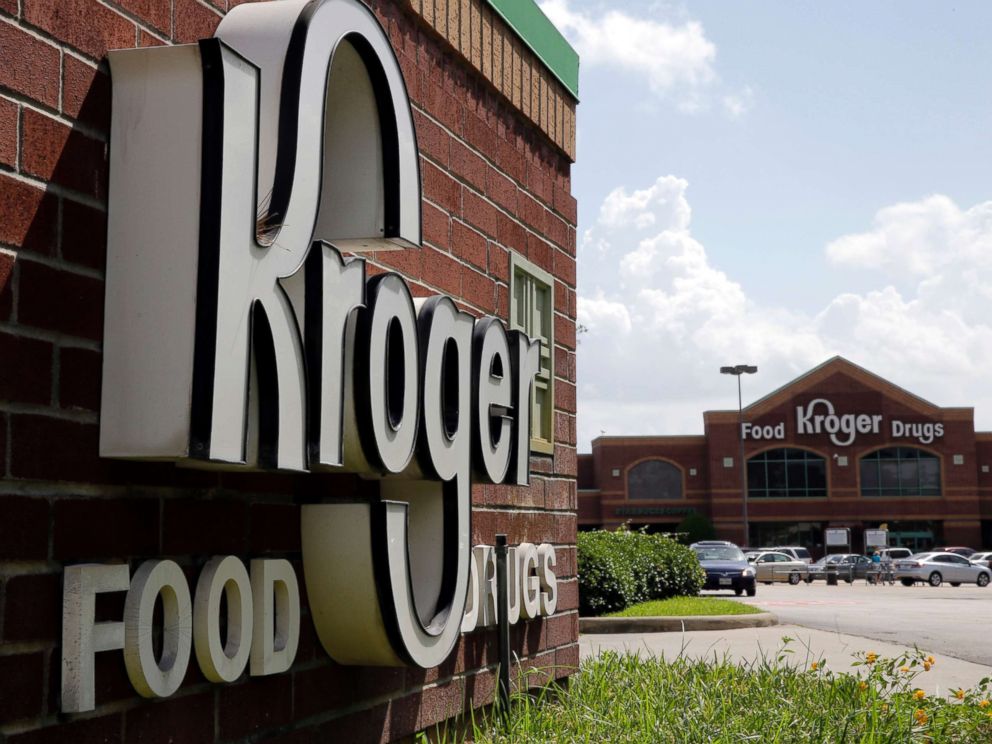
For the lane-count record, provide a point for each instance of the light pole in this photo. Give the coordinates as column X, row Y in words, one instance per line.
column 737, row 371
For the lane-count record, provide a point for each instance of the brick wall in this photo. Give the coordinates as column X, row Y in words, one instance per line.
column 496, row 180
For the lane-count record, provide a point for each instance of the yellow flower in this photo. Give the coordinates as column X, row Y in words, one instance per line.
column 919, row 694
column 871, row 657
column 921, row 716
column 959, row 694
column 885, row 707
column 989, row 714
column 862, row 685
column 814, row 666
column 930, row 660
column 904, row 669
column 926, row 666
column 983, row 703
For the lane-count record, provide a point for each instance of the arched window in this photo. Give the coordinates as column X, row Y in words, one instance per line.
column 900, row 471
column 654, row 479
column 786, row 474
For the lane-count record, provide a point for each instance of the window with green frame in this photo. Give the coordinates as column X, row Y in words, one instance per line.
column 532, row 311
column 786, row 473
column 900, row 471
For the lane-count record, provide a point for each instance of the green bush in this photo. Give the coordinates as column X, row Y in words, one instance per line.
column 623, row 568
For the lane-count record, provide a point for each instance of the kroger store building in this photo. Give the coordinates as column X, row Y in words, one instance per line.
column 836, row 447
column 287, row 338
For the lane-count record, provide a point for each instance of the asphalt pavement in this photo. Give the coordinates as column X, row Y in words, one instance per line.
column 834, row 622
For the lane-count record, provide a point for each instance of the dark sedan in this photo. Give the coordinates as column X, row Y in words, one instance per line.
column 725, row 566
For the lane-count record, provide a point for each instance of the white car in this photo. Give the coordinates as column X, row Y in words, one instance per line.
column 795, row 552
column 772, row 566
column 936, row 568
column 981, row 559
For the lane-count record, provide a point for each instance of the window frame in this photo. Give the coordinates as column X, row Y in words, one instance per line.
column 899, row 490
column 536, row 275
column 765, row 492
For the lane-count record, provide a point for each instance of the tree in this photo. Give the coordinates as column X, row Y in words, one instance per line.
column 695, row 527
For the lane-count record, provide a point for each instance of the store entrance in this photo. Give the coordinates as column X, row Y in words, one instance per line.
column 917, row 536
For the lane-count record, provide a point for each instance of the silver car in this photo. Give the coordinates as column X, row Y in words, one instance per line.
column 936, row 568
column 772, row 566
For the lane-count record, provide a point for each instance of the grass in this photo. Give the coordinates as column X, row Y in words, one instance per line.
column 789, row 698
column 682, row 606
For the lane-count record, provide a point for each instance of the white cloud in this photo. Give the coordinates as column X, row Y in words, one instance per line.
column 675, row 58
column 738, row 104
column 662, row 318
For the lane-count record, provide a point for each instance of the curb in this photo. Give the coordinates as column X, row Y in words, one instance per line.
column 675, row 624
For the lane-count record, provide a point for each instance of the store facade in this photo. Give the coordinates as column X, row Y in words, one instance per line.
column 287, row 338
column 837, row 447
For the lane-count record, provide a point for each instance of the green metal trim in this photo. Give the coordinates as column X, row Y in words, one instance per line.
column 540, row 35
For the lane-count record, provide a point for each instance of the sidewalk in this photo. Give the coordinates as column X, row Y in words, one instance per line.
column 749, row 644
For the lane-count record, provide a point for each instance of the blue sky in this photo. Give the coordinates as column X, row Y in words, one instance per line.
column 776, row 183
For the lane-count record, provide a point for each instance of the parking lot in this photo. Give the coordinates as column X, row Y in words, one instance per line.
column 947, row 620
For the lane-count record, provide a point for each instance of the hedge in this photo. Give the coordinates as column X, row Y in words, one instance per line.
column 623, row 568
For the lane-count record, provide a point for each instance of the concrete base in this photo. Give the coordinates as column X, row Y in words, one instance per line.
column 674, row 624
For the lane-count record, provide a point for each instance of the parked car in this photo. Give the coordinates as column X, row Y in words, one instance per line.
column 936, row 568
column 981, row 559
column 847, row 566
column 725, row 566
column 895, row 554
column 772, row 566
column 795, row 552
column 818, row 569
column 957, row 550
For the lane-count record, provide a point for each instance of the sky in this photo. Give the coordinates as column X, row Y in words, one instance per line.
column 774, row 184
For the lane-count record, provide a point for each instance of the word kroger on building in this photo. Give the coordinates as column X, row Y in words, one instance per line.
column 819, row 417
column 239, row 337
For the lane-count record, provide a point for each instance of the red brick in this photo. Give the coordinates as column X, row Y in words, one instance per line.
column 468, row 166
column 480, row 135
column 103, row 730
column 479, row 213
column 565, row 464
column 539, row 182
column 193, row 22
column 467, row 244
column 22, row 686
column 258, row 704
column 9, row 6
column 440, row 187
column 511, row 233
column 30, row 217
column 561, row 298
column 568, row 598
column 532, row 212
column 557, row 230
column 158, row 15
column 189, row 718
column 33, row 608
column 86, row 93
column 60, row 301
column 9, row 112
column 539, row 251
column 436, row 227
column 478, row 289
column 442, row 272
column 408, row 261
column 511, row 160
column 564, row 331
column 204, row 526
column 564, row 396
column 83, row 24
column 54, row 152
column 566, row 205
column 275, row 528
column 501, row 190
column 560, row 495
column 24, row 529
column 439, row 703
column 145, row 39
column 432, row 139
column 564, row 268
column 36, row 451
column 98, row 529
column 30, row 66
column 84, row 234
column 503, row 302
column 26, row 374
column 499, row 263
column 442, row 106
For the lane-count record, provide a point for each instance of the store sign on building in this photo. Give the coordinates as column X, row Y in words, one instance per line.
column 237, row 336
column 819, row 417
